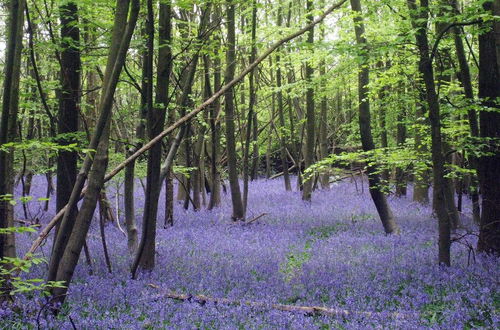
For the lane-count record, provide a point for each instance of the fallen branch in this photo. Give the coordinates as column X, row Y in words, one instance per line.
column 52, row 223
column 307, row 310
column 255, row 219
column 281, row 173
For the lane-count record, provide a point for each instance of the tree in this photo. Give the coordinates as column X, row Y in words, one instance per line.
column 489, row 128
column 419, row 17
column 379, row 198
column 8, row 126
column 237, row 202
column 69, row 103
column 310, row 110
column 65, row 256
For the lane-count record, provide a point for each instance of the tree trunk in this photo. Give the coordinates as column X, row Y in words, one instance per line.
column 69, row 103
column 310, row 112
column 400, row 140
column 379, row 198
column 8, row 128
column 283, row 136
column 215, row 197
column 425, row 67
column 65, row 257
column 237, row 202
column 421, row 179
column 489, row 169
column 145, row 258
column 465, row 79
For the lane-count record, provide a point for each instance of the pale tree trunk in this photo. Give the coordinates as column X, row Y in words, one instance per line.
column 215, row 197
column 323, row 134
column 421, row 181
column 310, row 113
column 283, row 136
column 379, row 198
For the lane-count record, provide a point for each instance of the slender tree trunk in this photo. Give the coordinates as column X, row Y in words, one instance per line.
column 251, row 104
column 400, row 140
column 419, row 21
column 237, row 202
column 465, row 79
column 379, row 198
column 323, row 134
column 145, row 258
column 421, row 184
column 215, row 197
column 310, row 112
column 489, row 169
column 279, row 98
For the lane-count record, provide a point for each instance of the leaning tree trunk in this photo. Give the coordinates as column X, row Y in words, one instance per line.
column 379, row 198
column 62, row 268
column 489, row 169
column 419, row 22
column 8, row 128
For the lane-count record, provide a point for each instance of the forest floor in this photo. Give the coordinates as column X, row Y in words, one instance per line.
column 331, row 253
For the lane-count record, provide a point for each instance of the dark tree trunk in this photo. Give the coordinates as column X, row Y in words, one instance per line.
column 238, row 207
column 215, row 197
column 251, row 105
column 69, row 103
column 145, row 258
column 465, row 79
column 425, row 67
column 489, row 128
column 379, row 198
column 8, row 127
column 65, row 256
column 400, row 140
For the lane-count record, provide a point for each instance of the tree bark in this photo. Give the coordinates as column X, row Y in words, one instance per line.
column 489, row 128
column 465, row 79
column 8, row 128
column 69, row 103
column 283, row 136
column 237, row 202
column 310, row 112
column 63, row 263
column 419, row 21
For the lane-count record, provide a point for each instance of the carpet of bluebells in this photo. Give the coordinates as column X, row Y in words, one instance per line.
column 332, row 253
